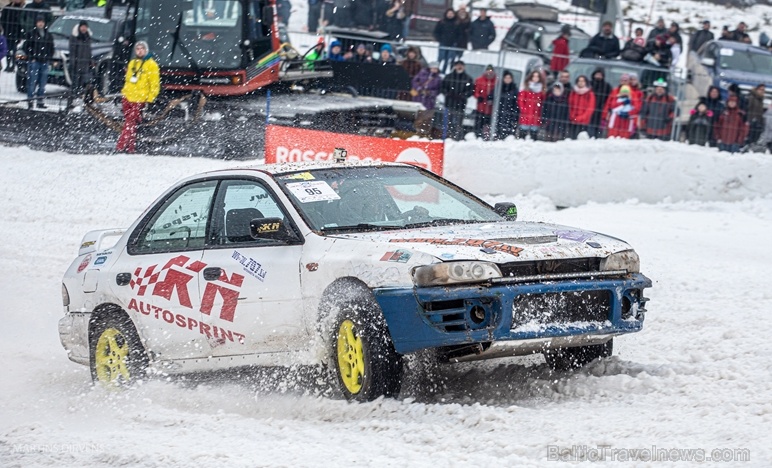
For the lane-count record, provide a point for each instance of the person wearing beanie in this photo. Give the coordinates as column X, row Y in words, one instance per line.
column 336, row 52
column 555, row 113
column 425, row 88
column 701, row 37
column 457, row 87
column 659, row 29
column 386, row 57
column 39, row 48
column 142, row 86
column 622, row 108
column 601, row 89
column 484, row 91
column 731, row 128
column 700, row 124
column 658, row 112
column 79, row 59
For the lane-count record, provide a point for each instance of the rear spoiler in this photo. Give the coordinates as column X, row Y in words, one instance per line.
column 93, row 240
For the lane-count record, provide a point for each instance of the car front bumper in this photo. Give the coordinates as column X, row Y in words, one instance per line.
column 73, row 333
column 514, row 318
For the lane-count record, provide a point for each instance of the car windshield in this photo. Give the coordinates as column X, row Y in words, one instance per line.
column 614, row 71
column 192, row 34
column 746, row 60
column 102, row 30
column 379, row 198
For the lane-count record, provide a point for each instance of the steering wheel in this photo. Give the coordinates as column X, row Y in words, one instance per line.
column 417, row 214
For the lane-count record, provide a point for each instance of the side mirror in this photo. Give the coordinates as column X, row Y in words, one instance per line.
column 708, row 62
column 267, row 16
column 506, row 210
column 270, row 228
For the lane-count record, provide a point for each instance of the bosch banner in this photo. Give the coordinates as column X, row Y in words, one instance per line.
column 289, row 144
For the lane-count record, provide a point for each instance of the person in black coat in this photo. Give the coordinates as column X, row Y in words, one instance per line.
column 658, row 30
column 604, row 44
column 701, row 37
column 80, row 57
column 11, row 20
column 446, row 32
column 39, row 48
column 700, row 125
column 509, row 112
column 716, row 106
column 555, row 113
column 457, row 87
column 482, row 33
column 601, row 89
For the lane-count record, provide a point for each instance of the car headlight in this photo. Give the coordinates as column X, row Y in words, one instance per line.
column 454, row 272
column 624, row 260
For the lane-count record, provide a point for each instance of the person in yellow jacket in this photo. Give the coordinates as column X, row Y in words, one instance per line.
column 143, row 83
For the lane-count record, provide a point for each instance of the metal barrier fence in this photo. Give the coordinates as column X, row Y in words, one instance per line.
column 490, row 111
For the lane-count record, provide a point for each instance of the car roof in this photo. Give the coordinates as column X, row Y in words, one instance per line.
column 288, row 168
column 549, row 26
column 605, row 62
column 741, row 46
column 95, row 13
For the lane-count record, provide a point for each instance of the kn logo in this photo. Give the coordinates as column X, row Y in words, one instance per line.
column 173, row 279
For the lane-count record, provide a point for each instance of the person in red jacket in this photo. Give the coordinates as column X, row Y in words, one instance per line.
column 530, row 101
column 731, row 128
column 484, row 89
column 560, row 50
column 581, row 105
column 621, row 123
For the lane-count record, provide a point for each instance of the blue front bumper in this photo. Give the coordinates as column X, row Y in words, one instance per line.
column 422, row 318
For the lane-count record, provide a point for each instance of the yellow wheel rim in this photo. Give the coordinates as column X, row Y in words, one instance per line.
column 351, row 359
column 111, row 356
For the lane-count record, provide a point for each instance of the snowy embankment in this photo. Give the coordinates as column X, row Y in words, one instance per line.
column 697, row 377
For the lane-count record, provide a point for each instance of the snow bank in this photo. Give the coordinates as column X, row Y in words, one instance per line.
column 571, row 173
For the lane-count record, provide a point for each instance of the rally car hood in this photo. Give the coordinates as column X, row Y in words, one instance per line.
column 498, row 242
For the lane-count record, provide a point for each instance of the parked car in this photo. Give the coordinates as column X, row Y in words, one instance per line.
column 646, row 73
column 352, row 265
column 536, row 28
column 723, row 63
column 105, row 36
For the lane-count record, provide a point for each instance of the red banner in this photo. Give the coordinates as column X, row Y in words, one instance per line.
column 289, row 144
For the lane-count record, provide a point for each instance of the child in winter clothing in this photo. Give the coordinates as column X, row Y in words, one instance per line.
column 555, row 114
column 700, row 125
column 621, row 121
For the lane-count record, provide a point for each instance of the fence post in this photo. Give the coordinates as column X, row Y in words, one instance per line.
column 267, row 107
column 444, row 122
column 497, row 95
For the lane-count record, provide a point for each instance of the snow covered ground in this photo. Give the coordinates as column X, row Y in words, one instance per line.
column 698, row 377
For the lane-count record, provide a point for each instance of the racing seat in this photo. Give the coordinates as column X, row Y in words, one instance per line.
column 237, row 224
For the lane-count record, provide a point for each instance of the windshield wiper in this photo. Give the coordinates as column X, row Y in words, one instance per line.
column 441, row 222
column 361, row 227
column 176, row 42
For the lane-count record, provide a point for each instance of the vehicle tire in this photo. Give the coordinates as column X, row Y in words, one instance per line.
column 365, row 364
column 563, row 359
column 117, row 356
column 21, row 82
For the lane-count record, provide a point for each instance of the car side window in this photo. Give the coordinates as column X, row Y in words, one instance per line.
column 239, row 202
column 180, row 222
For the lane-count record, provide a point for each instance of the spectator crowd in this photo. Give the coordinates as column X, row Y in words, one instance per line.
column 549, row 107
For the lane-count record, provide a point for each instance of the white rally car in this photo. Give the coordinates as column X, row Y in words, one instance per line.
column 348, row 265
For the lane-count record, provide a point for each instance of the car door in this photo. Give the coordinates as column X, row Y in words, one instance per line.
column 157, row 275
column 251, row 297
